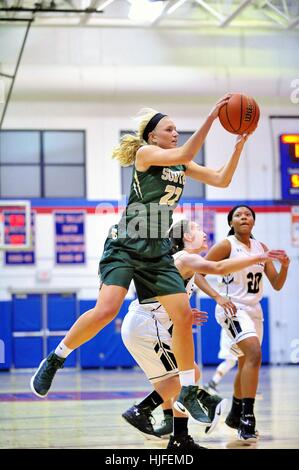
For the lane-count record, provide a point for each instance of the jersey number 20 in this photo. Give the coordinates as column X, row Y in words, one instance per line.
column 254, row 282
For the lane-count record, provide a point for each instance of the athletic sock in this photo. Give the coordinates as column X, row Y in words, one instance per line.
column 223, row 369
column 151, row 401
column 187, row 377
column 62, row 350
column 180, row 426
column 236, row 408
column 247, row 407
column 168, row 412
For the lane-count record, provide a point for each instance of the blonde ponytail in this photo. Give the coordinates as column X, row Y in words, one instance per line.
column 126, row 151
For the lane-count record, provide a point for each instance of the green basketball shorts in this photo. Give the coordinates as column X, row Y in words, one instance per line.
column 122, row 262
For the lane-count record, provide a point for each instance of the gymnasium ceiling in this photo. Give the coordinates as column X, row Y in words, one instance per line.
column 172, row 14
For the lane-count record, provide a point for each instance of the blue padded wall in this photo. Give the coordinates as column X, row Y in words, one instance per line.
column 27, row 318
column 5, row 335
column 27, row 312
column 266, row 338
column 106, row 349
column 61, row 311
column 28, row 352
column 23, row 314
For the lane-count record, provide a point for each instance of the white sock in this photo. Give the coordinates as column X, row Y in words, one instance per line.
column 223, row 369
column 187, row 377
column 62, row 350
column 217, row 377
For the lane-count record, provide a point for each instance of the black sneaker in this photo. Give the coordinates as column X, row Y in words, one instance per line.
column 41, row 381
column 165, row 428
column 233, row 421
column 183, row 442
column 188, row 404
column 215, row 407
column 141, row 419
column 246, row 431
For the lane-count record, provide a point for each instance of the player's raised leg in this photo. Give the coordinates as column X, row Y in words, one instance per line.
column 86, row 327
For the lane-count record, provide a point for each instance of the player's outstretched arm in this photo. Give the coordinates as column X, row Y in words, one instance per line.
column 220, row 178
column 198, row 264
column 149, row 155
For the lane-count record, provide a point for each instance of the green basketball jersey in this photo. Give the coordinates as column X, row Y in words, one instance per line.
column 154, row 195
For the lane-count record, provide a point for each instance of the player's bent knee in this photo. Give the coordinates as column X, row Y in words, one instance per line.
column 106, row 314
column 255, row 357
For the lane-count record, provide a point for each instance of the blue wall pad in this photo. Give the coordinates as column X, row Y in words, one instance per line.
column 27, row 352
column 61, row 311
column 27, row 312
column 266, row 337
column 5, row 335
column 106, row 349
column 210, row 334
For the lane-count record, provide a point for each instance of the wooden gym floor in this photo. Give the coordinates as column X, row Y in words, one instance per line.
column 83, row 410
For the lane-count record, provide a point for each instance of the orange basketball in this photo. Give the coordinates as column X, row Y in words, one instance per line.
column 240, row 114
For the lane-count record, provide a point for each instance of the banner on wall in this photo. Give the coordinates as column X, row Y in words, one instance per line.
column 69, row 237
column 295, row 225
column 15, row 233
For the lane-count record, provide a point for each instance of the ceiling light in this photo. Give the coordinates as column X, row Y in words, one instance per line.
column 145, row 11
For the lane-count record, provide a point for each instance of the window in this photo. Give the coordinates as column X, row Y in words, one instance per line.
column 193, row 189
column 42, row 164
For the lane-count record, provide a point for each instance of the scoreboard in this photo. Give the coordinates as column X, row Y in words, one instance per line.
column 289, row 166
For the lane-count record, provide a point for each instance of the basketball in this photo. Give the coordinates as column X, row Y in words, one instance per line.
column 240, row 114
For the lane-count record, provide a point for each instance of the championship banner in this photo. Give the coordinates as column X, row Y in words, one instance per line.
column 15, row 234
column 69, row 237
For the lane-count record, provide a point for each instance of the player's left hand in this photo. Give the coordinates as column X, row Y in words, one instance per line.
column 283, row 259
column 199, row 317
column 240, row 141
column 280, row 256
column 221, row 102
column 227, row 305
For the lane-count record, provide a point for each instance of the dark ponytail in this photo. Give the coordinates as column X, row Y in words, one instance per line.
column 231, row 214
column 176, row 235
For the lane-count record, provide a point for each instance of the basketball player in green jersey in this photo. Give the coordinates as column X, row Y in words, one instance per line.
column 137, row 249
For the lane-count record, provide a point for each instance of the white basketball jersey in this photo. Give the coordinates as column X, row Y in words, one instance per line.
column 246, row 286
column 155, row 308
